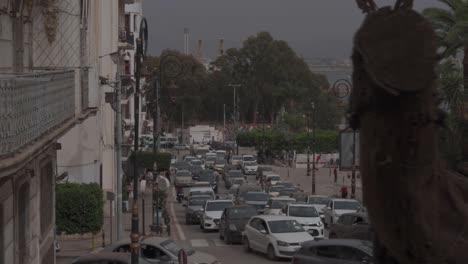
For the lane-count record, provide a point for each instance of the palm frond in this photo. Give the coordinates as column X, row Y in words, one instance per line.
column 453, row 4
column 440, row 17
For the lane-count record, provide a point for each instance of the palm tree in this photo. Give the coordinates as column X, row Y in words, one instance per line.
column 451, row 26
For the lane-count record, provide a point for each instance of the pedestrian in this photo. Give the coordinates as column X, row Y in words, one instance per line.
column 344, row 192
column 216, row 176
column 335, row 173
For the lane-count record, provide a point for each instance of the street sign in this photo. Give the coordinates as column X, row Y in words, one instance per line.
column 348, row 138
column 129, row 188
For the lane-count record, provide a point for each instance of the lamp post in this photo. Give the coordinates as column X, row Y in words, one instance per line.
column 313, row 147
column 308, row 144
column 353, row 172
column 142, row 44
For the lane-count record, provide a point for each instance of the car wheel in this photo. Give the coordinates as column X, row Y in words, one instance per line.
column 246, row 243
column 271, row 253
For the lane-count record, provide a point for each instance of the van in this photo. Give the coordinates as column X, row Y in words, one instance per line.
column 194, row 191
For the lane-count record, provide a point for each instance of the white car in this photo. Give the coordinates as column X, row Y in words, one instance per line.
column 277, row 236
column 337, row 207
column 307, row 216
column 271, row 178
column 212, row 211
column 197, row 162
column 236, row 160
column 250, row 167
column 276, row 205
column 319, row 202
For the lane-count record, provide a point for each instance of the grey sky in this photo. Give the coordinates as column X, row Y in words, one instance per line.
column 314, row 28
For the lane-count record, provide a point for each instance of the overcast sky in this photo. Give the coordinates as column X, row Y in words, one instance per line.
column 314, row 28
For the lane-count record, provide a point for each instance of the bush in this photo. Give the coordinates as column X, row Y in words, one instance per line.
column 79, row 208
column 146, row 159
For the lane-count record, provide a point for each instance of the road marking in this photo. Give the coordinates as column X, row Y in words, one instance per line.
column 219, row 243
column 176, row 223
column 199, row 243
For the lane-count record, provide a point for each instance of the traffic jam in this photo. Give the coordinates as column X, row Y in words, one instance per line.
column 250, row 204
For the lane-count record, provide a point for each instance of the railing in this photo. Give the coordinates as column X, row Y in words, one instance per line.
column 32, row 105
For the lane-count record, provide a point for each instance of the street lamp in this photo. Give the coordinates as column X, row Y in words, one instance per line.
column 313, row 147
column 142, row 44
column 307, row 116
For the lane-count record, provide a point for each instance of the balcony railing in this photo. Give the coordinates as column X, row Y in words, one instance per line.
column 32, row 105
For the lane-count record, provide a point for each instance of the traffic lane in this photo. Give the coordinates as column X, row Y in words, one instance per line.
column 209, row 242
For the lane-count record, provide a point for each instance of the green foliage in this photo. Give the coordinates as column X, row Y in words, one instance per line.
column 79, row 208
column 146, row 159
column 326, row 141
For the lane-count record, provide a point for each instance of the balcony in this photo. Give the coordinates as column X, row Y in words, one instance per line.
column 126, row 39
column 34, row 105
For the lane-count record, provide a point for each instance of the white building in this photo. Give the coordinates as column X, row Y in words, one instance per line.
column 202, row 134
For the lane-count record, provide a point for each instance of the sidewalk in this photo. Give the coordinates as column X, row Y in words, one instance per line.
column 73, row 247
column 324, row 180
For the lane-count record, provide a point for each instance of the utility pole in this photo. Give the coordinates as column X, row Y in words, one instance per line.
column 236, row 113
column 224, row 123
column 118, row 147
column 313, row 147
column 353, row 173
column 308, row 144
column 155, row 116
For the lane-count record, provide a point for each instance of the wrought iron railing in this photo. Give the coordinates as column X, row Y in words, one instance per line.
column 32, row 105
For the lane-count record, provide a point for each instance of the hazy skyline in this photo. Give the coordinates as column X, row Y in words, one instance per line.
column 313, row 28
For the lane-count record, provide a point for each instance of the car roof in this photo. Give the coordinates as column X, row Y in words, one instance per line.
column 318, row 196
column 338, row 242
column 282, row 198
column 235, row 171
column 274, row 217
column 344, row 200
column 239, row 206
column 219, row 201
column 154, row 240
column 254, row 192
column 200, row 189
column 301, row 205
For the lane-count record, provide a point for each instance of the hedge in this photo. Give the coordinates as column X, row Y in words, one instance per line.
column 326, row 141
column 79, row 208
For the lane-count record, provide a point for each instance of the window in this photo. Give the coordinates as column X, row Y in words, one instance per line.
column 46, row 198
column 328, row 252
column 255, row 223
column 127, row 22
column 127, row 67
column 135, row 23
column 151, row 252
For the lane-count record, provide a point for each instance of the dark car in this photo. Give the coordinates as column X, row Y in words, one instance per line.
column 333, row 251
column 208, row 176
column 232, row 174
column 195, row 170
column 233, row 221
column 352, row 225
column 261, row 169
column 182, row 165
column 288, row 192
column 193, row 209
column 257, row 199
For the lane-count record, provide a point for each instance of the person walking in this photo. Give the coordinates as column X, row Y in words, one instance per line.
column 344, row 192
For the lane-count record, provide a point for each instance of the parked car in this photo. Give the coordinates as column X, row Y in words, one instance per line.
column 212, row 211
column 257, row 199
column 189, row 158
column 248, row 158
column 193, row 208
column 233, row 221
column 308, row 217
column 277, row 236
column 183, row 178
column 236, row 160
column 232, row 174
column 332, row 251
column 319, row 202
column 276, row 204
column 336, row 207
column 249, row 167
column 160, row 249
column 352, row 225
column 286, row 184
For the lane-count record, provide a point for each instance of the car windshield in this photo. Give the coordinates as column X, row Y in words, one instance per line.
column 237, row 213
column 250, row 163
column 274, row 178
column 303, row 211
column 347, row 205
column 256, row 196
column 183, row 174
column 285, row 226
column 192, row 193
column 248, row 158
column 279, row 204
column 198, row 201
column 211, row 158
column 217, row 206
column 238, row 181
column 319, row 200
column 276, row 188
column 235, row 173
column 286, row 184
column 171, row 246
column 196, row 162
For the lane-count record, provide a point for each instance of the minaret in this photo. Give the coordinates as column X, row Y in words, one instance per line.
column 186, row 41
